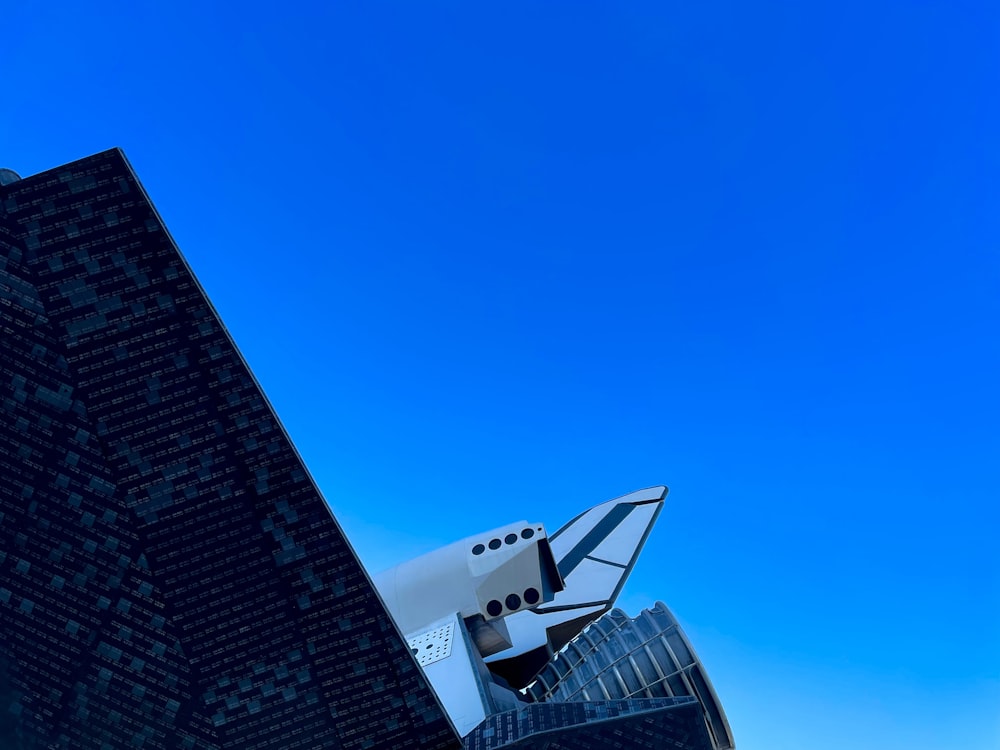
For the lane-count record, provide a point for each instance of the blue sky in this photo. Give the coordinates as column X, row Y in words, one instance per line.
column 508, row 262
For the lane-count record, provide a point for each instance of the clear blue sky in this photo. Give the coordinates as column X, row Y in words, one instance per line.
column 503, row 263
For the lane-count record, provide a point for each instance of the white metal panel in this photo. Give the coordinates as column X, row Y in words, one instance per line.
column 432, row 645
column 528, row 629
column 569, row 535
column 452, row 675
column 590, row 582
column 620, row 546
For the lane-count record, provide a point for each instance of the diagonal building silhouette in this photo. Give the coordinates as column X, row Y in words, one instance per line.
column 170, row 577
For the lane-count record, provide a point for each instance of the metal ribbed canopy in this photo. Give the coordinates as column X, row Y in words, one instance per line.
column 618, row 657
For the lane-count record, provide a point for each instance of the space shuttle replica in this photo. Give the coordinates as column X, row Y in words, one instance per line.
column 517, row 633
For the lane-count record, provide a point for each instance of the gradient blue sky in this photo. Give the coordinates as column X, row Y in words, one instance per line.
column 508, row 262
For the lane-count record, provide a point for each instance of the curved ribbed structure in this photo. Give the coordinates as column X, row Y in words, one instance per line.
column 620, row 657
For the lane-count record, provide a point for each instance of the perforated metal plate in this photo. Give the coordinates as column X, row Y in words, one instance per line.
column 432, row 645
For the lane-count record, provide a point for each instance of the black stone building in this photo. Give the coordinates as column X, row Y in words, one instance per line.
column 169, row 575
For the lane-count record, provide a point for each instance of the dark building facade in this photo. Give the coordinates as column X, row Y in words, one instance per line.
column 170, row 577
column 633, row 724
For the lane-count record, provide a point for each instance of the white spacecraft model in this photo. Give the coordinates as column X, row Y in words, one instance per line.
column 485, row 615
